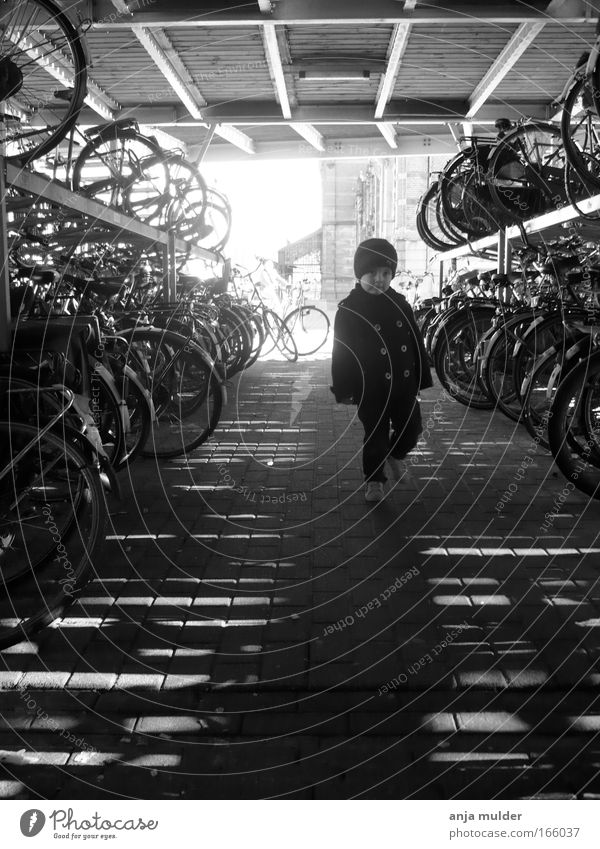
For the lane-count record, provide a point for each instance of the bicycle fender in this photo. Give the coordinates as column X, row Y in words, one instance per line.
column 132, row 377
column 104, row 376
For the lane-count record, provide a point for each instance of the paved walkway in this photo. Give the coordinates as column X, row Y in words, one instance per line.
column 255, row 629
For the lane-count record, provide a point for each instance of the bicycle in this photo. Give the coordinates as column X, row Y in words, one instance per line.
column 308, row 325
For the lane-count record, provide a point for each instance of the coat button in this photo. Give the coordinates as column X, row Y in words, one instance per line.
column 377, row 327
column 388, row 376
column 383, row 351
column 407, row 373
column 403, row 348
column 398, row 324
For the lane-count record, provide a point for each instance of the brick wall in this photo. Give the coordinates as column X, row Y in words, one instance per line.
column 399, row 182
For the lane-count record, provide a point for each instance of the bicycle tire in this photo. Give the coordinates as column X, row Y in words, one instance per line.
column 284, row 341
column 545, row 331
column 578, row 132
column 427, row 220
column 497, row 368
column 510, row 171
column 114, row 187
column 257, row 334
column 185, row 388
column 458, row 196
column 34, row 14
column 540, row 385
column 43, row 593
column 570, row 400
column 454, row 358
column 308, row 340
column 217, row 217
column 139, row 406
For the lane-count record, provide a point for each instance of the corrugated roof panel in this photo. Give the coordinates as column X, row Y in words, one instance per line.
column 370, row 40
column 547, row 64
column 448, row 61
column 227, row 64
column 123, row 68
column 337, row 91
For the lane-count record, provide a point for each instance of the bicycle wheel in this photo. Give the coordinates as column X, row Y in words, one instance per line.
column 39, row 44
column 185, row 390
column 526, row 173
column 258, row 337
column 465, row 197
column 51, row 486
column 139, row 407
column 237, row 340
column 497, row 367
column 454, row 357
column 309, row 328
column 189, row 195
column 217, row 218
column 541, row 384
column 120, row 165
column 580, row 129
column 281, row 336
column 108, row 417
column 545, row 332
column 574, row 426
column 428, row 211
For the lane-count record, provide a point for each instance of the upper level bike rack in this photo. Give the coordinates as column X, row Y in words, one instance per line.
column 544, row 228
column 101, row 223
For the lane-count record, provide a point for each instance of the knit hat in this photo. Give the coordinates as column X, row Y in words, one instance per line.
column 372, row 254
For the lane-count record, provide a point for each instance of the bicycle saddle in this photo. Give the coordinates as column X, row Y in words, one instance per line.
column 108, row 286
column 45, row 276
column 583, row 275
column 121, row 124
column 505, row 279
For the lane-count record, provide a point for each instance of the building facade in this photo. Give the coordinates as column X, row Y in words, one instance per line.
column 373, row 197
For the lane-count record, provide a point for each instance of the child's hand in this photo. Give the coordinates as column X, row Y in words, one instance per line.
column 346, row 401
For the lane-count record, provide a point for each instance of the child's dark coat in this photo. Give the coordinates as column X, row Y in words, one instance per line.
column 378, row 353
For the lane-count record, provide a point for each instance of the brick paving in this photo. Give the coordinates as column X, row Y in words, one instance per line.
column 254, row 629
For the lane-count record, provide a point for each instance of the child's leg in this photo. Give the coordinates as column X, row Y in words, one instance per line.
column 406, row 429
column 376, row 442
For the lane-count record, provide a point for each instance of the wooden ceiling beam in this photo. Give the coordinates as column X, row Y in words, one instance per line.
column 275, row 64
column 347, row 148
column 160, row 49
column 310, row 133
column 396, row 49
column 405, row 110
column 190, row 13
column 440, row 114
column 389, row 134
column 510, row 54
column 273, row 57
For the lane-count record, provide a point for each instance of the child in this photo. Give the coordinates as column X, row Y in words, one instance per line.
column 379, row 363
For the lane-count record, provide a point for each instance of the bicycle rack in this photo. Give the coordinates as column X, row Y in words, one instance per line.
column 101, row 223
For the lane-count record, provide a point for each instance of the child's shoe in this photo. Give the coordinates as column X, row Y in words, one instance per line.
column 374, row 491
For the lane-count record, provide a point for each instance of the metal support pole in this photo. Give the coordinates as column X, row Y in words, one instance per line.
column 441, row 286
column 501, row 251
column 205, row 144
column 172, row 274
column 165, row 276
column 507, row 254
column 5, row 317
